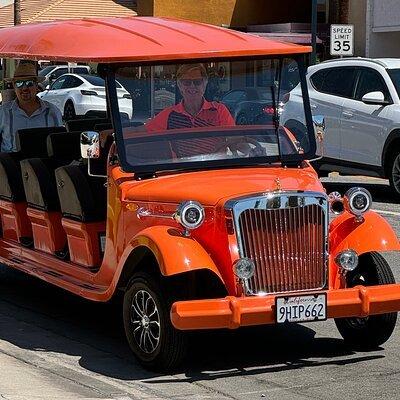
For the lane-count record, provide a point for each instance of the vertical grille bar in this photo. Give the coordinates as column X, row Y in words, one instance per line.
column 287, row 247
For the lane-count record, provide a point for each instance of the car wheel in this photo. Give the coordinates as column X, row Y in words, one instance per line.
column 146, row 311
column 394, row 177
column 241, row 119
column 69, row 111
column 372, row 331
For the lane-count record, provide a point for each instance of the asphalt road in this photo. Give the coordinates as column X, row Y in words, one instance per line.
column 57, row 346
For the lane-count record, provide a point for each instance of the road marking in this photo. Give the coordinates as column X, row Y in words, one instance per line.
column 386, row 212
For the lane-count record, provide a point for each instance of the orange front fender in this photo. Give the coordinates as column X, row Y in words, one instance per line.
column 372, row 234
column 175, row 253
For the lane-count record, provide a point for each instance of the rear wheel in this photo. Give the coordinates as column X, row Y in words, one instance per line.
column 241, row 119
column 69, row 111
column 150, row 333
column 369, row 332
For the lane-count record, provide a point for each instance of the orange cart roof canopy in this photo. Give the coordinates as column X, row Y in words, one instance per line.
column 133, row 39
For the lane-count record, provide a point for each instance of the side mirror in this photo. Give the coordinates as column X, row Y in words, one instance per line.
column 47, row 87
column 375, row 98
column 90, row 144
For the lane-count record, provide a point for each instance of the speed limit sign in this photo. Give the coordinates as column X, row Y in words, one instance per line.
column 342, row 40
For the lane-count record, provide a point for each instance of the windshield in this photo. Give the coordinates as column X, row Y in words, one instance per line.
column 395, row 76
column 220, row 113
column 46, row 70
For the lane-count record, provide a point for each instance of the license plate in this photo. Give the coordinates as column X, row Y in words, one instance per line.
column 300, row 308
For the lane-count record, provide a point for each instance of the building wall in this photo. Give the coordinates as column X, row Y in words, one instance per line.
column 384, row 28
column 357, row 17
column 235, row 13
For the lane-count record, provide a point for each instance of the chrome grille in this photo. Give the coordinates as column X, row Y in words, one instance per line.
column 285, row 236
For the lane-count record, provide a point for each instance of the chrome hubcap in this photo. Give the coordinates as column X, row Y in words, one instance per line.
column 396, row 174
column 145, row 320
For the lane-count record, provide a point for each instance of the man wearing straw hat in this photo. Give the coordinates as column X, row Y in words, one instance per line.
column 27, row 110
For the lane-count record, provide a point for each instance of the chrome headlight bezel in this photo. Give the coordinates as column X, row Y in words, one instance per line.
column 350, row 198
column 181, row 216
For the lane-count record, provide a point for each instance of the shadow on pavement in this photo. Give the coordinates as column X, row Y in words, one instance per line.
column 40, row 317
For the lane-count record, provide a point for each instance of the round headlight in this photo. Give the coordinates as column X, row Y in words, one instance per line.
column 244, row 268
column 357, row 201
column 336, row 203
column 190, row 214
column 347, row 260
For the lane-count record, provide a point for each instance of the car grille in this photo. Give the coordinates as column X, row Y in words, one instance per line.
column 285, row 236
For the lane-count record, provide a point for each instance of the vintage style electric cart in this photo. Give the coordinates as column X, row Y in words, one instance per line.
column 202, row 221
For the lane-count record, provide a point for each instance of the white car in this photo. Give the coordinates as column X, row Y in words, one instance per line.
column 360, row 100
column 52, row 72
column 77, row 95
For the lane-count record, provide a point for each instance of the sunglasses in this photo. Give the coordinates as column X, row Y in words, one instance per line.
column 189, row 82
column 27, row 83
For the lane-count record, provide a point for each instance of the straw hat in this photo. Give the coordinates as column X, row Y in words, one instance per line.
column 26, row 71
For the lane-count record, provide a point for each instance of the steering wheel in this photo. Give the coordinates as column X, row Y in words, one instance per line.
column 244, row 147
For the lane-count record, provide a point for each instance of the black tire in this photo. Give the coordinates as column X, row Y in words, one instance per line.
column 394, row 173
column 241, row 119
column 69, row 111
column 370, row 332
column 170, row 350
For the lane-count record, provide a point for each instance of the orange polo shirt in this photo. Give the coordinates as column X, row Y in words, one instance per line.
column 175, row 117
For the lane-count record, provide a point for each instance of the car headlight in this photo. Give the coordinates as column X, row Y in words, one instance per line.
column 244, row 268
column 347, row 260
column 357, row 201
column 190, row 214
column 336, row 203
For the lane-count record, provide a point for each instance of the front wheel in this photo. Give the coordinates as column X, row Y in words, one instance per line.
column 394, row 176
column 369, row 332
column 148, row 328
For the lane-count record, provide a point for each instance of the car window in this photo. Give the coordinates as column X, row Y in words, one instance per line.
column 58, row 72
column 46, row 70
column 336, row 81
column 236, row 95
column 80, row 70
column 71, row 82
column 371, row 81
column 58, row 84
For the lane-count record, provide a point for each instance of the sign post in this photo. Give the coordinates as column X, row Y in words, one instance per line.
column 342, row 40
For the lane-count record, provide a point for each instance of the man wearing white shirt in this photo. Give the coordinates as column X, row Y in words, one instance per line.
column 27, row 110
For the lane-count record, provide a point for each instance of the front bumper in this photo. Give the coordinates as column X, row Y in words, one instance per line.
column 232, row 312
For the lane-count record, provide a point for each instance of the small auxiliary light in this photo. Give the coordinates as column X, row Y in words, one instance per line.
column 244, row 268
column 347, row 260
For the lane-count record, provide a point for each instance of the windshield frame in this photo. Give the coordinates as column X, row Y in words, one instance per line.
column 108, row 71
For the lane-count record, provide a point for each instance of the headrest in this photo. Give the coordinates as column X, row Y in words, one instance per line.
column 64, row 146
column 84, row 124
column 31, row 143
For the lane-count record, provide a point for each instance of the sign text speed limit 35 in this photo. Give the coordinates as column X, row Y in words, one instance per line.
column 342, row 40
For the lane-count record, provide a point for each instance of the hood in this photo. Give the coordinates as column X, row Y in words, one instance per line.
column 210, row 187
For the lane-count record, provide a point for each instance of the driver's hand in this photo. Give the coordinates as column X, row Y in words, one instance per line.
column 242, row 147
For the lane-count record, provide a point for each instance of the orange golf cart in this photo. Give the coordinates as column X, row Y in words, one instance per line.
column 202, row 222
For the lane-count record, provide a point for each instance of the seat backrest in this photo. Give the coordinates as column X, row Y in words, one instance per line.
column 64, row 146
column 32, row 142
column 84, row 124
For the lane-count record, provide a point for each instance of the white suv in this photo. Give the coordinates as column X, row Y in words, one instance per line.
column 360, row 100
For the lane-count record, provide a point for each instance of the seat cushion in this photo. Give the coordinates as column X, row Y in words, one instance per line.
column 40, row 184
column 11, row 186
column 82, row 197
